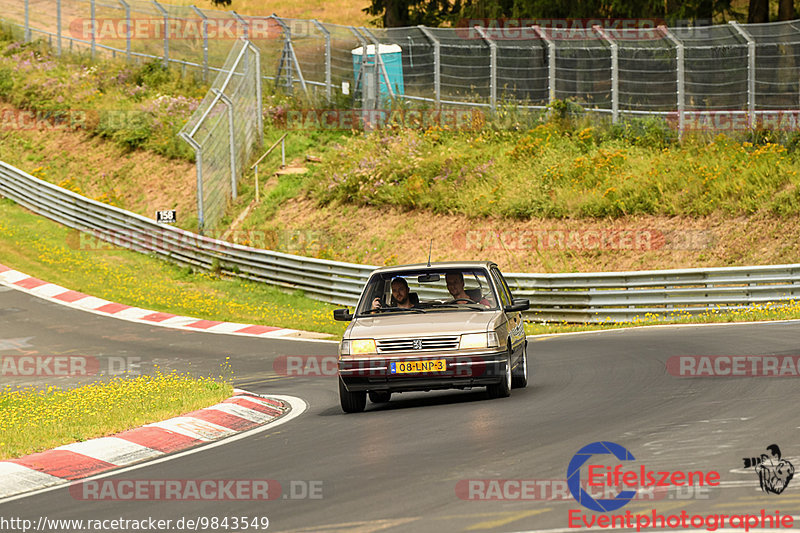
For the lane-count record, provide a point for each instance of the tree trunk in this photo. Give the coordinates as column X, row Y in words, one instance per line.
column 395, row 14
column 758, row 11
column 786, row 10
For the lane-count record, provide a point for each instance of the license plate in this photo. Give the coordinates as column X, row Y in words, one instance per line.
column 409, row 367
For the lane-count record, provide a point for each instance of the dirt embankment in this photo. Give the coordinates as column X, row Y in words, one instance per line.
column 381, row 236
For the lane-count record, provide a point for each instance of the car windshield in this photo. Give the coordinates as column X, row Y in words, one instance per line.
column 428, row 290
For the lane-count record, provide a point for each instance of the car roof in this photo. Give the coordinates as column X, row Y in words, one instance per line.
column 437, row 266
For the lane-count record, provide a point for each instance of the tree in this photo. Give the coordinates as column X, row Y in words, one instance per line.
column 786, row 10
column 398, row 13
column 758, row 11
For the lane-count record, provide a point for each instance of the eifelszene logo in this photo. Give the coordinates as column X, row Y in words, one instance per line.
column 635, row 479
column 774, row 473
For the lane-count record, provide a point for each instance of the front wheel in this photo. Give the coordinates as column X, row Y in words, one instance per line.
column 502, row 389
column 519, row 379
column 352, row 402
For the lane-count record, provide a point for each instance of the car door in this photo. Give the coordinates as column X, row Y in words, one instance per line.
column 516, row 326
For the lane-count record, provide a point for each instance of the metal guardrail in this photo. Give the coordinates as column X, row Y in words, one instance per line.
column 575, row 297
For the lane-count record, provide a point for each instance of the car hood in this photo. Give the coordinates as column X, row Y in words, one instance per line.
column 388, row 325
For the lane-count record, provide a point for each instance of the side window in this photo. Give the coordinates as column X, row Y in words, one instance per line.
column 502, row 288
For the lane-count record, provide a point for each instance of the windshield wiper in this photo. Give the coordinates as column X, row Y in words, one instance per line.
column 379, row 309
column 477, row 307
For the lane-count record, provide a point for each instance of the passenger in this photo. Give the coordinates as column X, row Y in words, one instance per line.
column 455, row 284
column 400, row 295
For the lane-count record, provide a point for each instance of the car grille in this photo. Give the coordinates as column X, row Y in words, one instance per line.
column 418, row 345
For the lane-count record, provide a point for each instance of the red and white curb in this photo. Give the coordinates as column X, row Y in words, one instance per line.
column 240, row 413
column 78, row 300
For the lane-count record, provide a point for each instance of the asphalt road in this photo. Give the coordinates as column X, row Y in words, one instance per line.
column 401, row 466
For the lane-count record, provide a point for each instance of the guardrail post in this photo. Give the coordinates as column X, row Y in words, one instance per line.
column 166, row 31
column 614, row 72
column 204, row 26
column 681, row 79
column 493, row 67
column 198, row 160
column 231, row 140
column 437, row 65
column 244, row 24
column 325, row 33
column 128, row 29
column 551, row 63
column 751, row 72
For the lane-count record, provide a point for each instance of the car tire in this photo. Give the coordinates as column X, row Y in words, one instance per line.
column 502, row 389
column 519, row 378
column 379, row 396
column 352, row 402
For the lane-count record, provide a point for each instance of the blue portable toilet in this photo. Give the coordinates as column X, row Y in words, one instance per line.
column 392, row 58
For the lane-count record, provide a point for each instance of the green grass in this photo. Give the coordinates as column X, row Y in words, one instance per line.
column 46, row 250
column 556, row 170
column 33, row 420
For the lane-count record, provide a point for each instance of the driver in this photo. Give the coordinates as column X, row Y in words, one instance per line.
column 399, row 294
column 455, row 284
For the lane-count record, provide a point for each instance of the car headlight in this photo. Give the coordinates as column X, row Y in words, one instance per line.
column 361, row 347
column 478, row 340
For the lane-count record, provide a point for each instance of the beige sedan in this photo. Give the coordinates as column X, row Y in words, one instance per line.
column 432, row 326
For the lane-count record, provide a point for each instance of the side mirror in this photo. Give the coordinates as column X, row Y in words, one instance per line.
column 518, row 305
column 343, row 315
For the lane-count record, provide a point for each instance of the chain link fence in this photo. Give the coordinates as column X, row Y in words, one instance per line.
column 224, row 130
column 746, row 68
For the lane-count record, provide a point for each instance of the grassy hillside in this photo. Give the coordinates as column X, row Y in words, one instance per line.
column 487, row 189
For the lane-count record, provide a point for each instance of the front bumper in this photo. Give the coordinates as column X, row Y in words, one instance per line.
column 461, row 371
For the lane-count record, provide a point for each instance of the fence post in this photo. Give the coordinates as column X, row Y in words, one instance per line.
column 437, row 65
column 231, row 139
column 259, row 97
column 128, row 30
column 27, row 32
column 205, row 41
column 493, row 67
column 198, row 158
column 751, row 72
column 614, row 72
column 93, row 25
column 379, row 64
column 551, row 63
column 166, row 31
column 244, row 24
column 58, row 28
column 288, row 50
column 324, row 31
column 681, row 78
column 362, row 72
